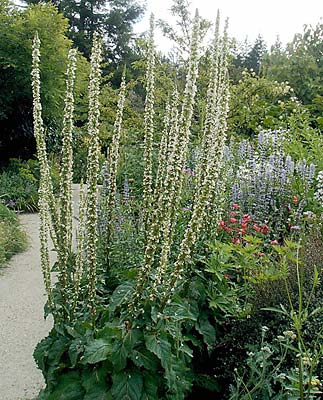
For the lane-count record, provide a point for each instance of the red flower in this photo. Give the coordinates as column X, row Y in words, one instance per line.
column 274, row 242
column 244, row 225
column 222, row 223
column 233, row 220
column 233, row 213
column 265, row 229
column 227, row 229
column 246, row 218
column 256, row 228
column 261, row 254
column 227, row 276
column 295, row 200
column 235, row 206
column 236, row 241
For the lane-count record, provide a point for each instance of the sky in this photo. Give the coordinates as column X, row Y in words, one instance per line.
column 247, row 18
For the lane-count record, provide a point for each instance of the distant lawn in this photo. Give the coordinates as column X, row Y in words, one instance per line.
column 12, row 239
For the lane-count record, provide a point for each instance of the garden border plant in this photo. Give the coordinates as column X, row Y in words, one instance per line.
column 133, row 339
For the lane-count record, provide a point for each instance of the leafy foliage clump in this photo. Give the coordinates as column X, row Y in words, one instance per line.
column 12, row 239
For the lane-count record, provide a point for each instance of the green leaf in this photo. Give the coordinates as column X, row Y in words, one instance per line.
column 127, row 385
column 119, row 355
column 144, row 358
column 95, row 384
column 159, row 346
column 121, row 295
column 96, row 351
column 179, row 312
column 151, row 383
column 75, row 350
column 68, row 387
column 123, row 347
column 320, row 121
column 41, row 351
column 206, row 330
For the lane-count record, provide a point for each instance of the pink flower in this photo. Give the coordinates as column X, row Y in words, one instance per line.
column 233, row 213
column 235, row 206
column 265, row 229
column 256, row 228
column 233, row 220
column 222, row 223
column 274, row 242
column 246, row 218
column 261, row 254
column 295, row 227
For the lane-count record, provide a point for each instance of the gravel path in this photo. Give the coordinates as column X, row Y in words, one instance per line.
column 22, row 326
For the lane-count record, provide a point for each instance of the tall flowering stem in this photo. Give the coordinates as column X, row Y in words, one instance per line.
column 149, row 122
column 162, row 154
column 215, row 134
column 79, row 259
column 115, row 145
column 92, row 172
column 66, row 175
column 110, row 171
column 162, row 219
column 45, row 186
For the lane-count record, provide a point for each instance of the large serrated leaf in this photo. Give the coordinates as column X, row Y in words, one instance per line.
column 95, row 383
column 127, row 386
column 179, row 312
column 68, row 388
column 121, row 295
column 124, row 347
column 159, row 346
column 206, row 330
column 75, row 350
column 144, row 358
column 98, row 350
column 151, row 382
column 119, row 356
column 97, row 392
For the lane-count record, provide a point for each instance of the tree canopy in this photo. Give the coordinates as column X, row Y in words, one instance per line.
column 114, row 19
column 17, row 30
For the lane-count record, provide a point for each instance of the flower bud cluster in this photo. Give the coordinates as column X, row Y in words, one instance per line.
column 92, row 172
column 149, row 121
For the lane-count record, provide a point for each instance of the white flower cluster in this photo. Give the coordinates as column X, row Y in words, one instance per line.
column 319, row 188
column 149, row 122
column 92, row 173
column 66, row 174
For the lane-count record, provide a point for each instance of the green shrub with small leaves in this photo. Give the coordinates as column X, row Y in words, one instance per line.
column 12, row 239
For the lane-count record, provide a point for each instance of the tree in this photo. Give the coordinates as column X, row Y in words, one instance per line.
column 255, row 56
column 247, row 56
column 300, row 63
column 17, row 30
column 114, row 19
column 180, row 32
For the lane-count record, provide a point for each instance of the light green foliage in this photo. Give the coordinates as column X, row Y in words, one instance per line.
column 258, row 102
column 301, row 65
column 12, row 239
column 19, row 185
column 17, row 29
